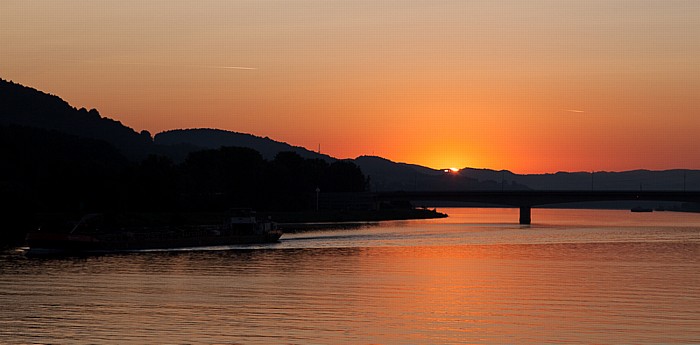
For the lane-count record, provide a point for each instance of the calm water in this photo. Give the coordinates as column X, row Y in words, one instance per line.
column 576, row 276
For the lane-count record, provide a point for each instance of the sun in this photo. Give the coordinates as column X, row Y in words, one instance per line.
column 451, row 170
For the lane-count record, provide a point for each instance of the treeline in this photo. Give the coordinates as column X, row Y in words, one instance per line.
column 48, row 172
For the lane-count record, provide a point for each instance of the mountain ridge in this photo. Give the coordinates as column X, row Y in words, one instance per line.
column 25, row 106
column 213, row 138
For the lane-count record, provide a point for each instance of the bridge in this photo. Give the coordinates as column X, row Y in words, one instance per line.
column 525, row 200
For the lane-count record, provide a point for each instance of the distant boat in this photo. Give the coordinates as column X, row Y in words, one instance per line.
column 88, row 236
column 641, row 209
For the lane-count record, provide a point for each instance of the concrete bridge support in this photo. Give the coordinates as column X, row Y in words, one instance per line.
column 525, row 217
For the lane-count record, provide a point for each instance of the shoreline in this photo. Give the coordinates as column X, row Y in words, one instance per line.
column 355, row 216
column 288, row 220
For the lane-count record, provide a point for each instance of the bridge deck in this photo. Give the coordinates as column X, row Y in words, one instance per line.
column 525, row 200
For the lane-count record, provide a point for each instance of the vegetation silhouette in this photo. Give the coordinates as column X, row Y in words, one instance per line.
column 49, row 175
column 60, row 162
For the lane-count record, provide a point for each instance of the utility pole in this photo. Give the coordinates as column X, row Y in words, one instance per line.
column 318, row 190
column 592, row 179
column 684, row 173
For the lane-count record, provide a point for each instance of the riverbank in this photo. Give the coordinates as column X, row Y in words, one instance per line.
column 64, row 222
column 338, row 216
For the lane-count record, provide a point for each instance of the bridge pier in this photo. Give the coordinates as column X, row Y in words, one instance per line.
column 525, row 217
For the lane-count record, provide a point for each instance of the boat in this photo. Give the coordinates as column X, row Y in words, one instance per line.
column 641, row 209
column 92, row 235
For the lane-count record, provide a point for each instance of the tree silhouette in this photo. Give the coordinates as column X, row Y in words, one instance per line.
column 344, row 176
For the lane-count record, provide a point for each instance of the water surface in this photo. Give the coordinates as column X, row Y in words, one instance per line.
column 575, row 276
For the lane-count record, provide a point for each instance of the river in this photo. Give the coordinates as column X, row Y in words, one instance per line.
column 477, row 277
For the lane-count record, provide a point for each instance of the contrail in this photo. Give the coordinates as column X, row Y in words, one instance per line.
column 575, row 111
column 233, row 67
column 191, row 66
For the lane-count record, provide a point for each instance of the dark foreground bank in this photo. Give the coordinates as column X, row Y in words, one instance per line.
column 337, row 216
column 63, row 223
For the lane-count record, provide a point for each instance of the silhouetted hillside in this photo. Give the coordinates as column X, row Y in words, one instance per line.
column 204, row 138
column 56, row 158
column 59, row 162
column 385, row 175
column 625, row 180
column 25, row 106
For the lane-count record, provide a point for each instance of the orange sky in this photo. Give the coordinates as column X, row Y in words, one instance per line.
column 530, row 86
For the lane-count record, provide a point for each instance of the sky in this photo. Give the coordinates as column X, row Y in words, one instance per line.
column 530, row 86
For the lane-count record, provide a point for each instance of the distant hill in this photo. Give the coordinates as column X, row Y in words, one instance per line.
column 25, row 106
column 626, row 180
column 386, row 175
column 205, row 138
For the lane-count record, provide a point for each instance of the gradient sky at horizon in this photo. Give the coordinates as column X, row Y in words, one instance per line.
column 530, row 86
